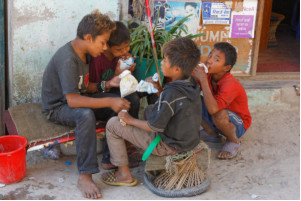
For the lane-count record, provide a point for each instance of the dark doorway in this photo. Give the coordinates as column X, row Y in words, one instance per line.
column 283, row 51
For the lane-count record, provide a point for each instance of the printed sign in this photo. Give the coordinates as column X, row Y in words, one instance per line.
column 242, row 26
column 215, row 13
column 243, row 22
column 170, row 12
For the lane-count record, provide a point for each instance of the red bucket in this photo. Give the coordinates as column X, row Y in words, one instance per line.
column 12, row 158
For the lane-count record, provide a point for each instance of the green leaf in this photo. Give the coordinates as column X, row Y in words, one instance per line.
column 178, row 24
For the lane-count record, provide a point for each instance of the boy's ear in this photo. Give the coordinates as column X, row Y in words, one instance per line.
column 227, row 68
column 88, row 37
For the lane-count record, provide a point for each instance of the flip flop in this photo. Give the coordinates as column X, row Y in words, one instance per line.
column 230, row 147
column 112, row 180
column 208, row 138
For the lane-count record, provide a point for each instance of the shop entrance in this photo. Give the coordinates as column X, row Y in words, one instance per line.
column 280, row 38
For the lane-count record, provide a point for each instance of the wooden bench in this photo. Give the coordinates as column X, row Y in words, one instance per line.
column 28, row 121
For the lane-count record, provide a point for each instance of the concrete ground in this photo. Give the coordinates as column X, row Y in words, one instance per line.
column 267, row 167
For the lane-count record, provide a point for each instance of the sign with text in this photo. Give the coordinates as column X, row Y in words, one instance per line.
column 242, row 26
column 243, row 22
column 215, row 13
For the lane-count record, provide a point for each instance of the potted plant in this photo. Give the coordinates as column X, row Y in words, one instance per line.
column 141, row 45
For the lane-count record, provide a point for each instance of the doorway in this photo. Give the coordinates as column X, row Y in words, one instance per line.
column 282, row 53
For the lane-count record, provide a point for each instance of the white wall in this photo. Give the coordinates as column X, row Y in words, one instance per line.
column 36, row 29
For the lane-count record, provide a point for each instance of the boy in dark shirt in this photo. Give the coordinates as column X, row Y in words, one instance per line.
column 174, row 117
column 64, row 98
column 225, row 102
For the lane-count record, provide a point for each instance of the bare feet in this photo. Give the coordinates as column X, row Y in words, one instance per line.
column 87, row 186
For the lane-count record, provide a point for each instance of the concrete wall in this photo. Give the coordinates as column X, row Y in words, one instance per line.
column 2, row 67
column 36, row 30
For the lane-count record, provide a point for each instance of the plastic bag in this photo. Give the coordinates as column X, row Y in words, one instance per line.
column 148, row 87
column 128, row 83
column 126, row 63
column 204, row 66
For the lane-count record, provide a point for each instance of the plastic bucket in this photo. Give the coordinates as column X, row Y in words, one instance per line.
column 12, row 158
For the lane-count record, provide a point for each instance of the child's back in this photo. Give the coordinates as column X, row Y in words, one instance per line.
column 174, row 117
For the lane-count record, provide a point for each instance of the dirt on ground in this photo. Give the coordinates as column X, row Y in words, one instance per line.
column 267, row 167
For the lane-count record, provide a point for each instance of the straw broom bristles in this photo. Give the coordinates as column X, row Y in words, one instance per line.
column 181, row 174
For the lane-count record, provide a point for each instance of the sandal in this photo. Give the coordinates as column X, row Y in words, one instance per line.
column 112, row 180
column 230, row 147
column 208, row 138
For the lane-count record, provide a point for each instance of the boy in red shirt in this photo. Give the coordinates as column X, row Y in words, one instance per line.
column 225, row 103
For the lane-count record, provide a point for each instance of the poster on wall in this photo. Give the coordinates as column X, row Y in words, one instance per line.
column 243, row 22
column 215, row 13
column 171, row 12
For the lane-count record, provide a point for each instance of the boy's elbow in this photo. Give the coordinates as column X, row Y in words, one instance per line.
column 71, row 100
column 212, row 111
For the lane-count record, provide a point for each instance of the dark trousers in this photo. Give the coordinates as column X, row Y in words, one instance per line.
column 84, row 121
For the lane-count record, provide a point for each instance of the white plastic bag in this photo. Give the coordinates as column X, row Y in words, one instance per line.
column 126, row 63
column 128, row 83
column 148, row 87
column 204, row 66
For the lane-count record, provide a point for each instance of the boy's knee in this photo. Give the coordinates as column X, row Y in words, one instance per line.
column 112, row 123
column 220, row 116
column 85, row 114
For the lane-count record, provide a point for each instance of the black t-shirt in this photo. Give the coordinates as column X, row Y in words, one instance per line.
column 65, row 74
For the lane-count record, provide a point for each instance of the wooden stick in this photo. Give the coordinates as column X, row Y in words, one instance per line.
column 150, row 27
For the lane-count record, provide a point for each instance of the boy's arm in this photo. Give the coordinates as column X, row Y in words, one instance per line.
column 156, row 84
column 92, row 87
column 210, row 102
column 129, row 120
column 114, row 82
column 116, row 104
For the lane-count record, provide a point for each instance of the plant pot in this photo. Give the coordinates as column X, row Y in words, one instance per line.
column 140, row 70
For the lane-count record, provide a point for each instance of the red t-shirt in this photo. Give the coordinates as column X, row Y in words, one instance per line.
column 101, row 68
column 230, row 94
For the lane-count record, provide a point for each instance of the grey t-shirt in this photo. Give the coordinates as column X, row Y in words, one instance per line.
column 65, row 74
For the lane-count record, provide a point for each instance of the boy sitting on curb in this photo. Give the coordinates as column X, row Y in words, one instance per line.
column 174, row 117
column 106, row 67
column 64, row 97
column 225, row 103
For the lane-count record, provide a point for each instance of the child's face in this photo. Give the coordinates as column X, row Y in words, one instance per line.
column 120, row 50
column 216, row 62
column 99, row 44
column 168, row 70
column 165, row 66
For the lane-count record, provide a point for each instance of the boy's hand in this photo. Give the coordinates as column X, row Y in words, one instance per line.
column 126, row 117
column 118, row 104
column 118, row 71
column 114, row 82
column 156, row 84
column 199, row 73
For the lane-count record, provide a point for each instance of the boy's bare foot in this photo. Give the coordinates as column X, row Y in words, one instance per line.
column 87, row 186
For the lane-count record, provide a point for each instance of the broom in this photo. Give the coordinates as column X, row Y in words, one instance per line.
column 182, row 171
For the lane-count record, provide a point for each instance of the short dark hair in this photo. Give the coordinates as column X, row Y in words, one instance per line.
column 94, row 24
column 182, row 52
column 120, row 35
column 229, row 51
